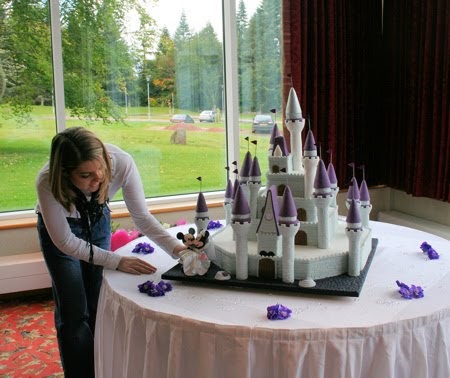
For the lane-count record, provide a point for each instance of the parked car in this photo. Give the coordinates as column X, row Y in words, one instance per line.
column 207, row 116
column 262, row 123
column 178, row 118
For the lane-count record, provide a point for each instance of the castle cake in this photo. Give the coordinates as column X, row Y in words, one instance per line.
column 290, row 230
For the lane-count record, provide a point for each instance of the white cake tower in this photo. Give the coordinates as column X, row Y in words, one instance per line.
column 322, row 198
column 254, row 184
column 201, row 216
column 310, row 161
column 240, row 222
column 228, row 201
column 354, row 232
column 295, row 124
column 289, row 226
column 365, row 205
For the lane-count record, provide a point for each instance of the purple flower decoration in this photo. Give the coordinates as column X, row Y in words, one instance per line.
column 213, row 224
column 278, row 312
column 152, row 290
column 166, row 286
column 409, row 292
column 144, row 248
column 429, row 250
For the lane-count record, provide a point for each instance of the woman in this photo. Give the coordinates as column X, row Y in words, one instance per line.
column 74, row 229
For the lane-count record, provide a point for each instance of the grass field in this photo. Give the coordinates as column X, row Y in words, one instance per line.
column 165, row 168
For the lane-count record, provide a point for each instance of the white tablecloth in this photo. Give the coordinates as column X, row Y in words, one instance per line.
column 196, row 331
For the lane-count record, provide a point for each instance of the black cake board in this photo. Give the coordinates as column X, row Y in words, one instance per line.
column 342, row 285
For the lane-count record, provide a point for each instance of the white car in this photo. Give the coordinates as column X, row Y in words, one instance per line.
column 207, row 116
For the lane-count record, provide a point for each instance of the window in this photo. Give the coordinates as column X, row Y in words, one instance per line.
column 124, row 70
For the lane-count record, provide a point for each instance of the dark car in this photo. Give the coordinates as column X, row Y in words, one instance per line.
column 178, row 118
column 262, row 123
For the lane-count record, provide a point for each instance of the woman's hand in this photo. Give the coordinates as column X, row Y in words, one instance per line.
column 178, row 249
column 134, row 265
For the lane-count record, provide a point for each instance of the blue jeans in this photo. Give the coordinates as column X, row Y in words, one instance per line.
column 76, row 288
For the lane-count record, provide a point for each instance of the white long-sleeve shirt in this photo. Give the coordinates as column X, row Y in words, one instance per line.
column 125, row 176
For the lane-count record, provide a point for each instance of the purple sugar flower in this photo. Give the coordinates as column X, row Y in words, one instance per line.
column 152, row 290
column 409, row 292
column 429, row 250
column 278, row 312
column 213, row 224
column 166, row 286
column 146, row 286
column 144, row 248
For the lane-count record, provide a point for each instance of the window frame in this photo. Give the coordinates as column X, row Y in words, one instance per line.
column 231, row 111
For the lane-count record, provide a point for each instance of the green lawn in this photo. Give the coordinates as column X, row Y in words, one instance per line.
column 165, row 168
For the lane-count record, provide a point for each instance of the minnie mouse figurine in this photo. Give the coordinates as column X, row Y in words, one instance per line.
column 194, row 260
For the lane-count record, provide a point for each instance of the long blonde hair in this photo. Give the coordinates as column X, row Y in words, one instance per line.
column 69, row 149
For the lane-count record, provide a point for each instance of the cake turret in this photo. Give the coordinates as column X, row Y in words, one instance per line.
column 366, row 206
column 354, row 232
column 310, row 161
column 254, row 184
column 201, row 215
column 353, row 193
column 322, row 199
column 228, row 201
column 240, row 222
column 289, row 226
column 245, row 172
column 295, row 124
column 275, row 133
column 333, row 182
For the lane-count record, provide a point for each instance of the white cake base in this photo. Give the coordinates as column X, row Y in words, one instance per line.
column 310, row 262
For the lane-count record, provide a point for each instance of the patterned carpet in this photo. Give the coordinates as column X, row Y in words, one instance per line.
column 28, row 346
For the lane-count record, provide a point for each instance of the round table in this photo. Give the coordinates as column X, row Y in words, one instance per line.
column 210, row 331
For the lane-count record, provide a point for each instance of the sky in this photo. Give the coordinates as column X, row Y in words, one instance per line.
column 198, row 13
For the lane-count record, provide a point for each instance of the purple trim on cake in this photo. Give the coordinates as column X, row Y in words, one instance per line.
column 288, row 210
column 255, row 170
column 332, row 173
column 321, row 181
column 241, row 209
column 246, row 164
column 281, row 143
column 364, row 192
column 310, row 142
column 201, row 204
column 293, row 109
column 353, row 215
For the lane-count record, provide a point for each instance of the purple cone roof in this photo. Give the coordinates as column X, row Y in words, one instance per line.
column 229, row 190
column 240, row 206
column 310, row 143
column 321, row 180
column 288, row 208
column 235, row 187
column 255, row 170
column 201, row 203
column 280, row 142
column 245, row 169
column 364, row 192
column 353, row 215
column 331, row 174
column 275, row 133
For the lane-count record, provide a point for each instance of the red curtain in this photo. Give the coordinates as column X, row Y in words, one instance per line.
column 416, row 52
column 372, row 89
